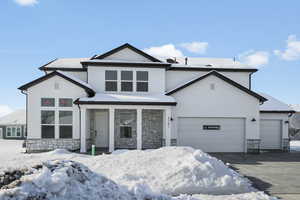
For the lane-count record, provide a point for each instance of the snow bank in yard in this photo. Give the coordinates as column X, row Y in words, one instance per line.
column 171, row 170
column 295, row 145
column 61, row 180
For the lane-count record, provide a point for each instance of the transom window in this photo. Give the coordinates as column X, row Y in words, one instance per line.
column 48, row 102
column 111, row 81
column 142, row 81
column 126, row 81
column 65, row 102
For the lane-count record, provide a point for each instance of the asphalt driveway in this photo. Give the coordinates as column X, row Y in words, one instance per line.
column 278, row 174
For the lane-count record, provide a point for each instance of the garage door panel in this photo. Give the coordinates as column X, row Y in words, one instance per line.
column 230, row 137
column 270, row 134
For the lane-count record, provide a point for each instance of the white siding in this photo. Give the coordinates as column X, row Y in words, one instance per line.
column 46, row 89
column 127, row 55
column 81, row 75
column 156, row 77
column 177, row 78
column 225, row 101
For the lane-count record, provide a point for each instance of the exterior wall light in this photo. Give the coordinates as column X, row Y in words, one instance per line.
column 253, row 120
column 287, row 122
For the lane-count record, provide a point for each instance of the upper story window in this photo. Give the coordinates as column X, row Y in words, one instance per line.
column 47, row 102
column 126, row 81
column 142, row 81
column 111, row 80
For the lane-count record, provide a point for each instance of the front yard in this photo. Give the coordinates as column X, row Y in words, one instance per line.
column 167, row 173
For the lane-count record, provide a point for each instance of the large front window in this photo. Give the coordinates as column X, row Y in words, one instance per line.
column 48, row 123
column 13, row 131
column 65, row 124
column 111, row 81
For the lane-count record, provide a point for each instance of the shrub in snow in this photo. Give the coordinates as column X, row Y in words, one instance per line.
column 65, row 180
column 171, row 170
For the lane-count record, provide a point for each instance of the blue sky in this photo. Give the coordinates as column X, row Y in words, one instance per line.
column 33, row 32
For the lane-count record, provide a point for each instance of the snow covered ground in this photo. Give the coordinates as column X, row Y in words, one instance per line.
column 183, row 172
column 295, row 145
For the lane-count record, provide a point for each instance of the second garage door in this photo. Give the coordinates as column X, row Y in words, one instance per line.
column 270, row 134
column 212, row 134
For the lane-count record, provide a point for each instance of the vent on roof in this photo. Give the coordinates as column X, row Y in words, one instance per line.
column 170, row 60
column 186, row 61
column 56, row 86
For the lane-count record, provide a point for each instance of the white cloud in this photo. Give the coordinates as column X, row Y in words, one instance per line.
column 255, row 58
column 26, row 2
column 166, row 51
column 4, row 110
column 195, row 47
column 292, row 51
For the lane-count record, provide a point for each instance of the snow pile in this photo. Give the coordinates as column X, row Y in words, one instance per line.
column 64, row 180
column 171, row 170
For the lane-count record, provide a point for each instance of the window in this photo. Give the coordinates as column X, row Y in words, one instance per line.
column 211, row 127
column 8, row 132
column 125, row 132
column 111, row 80
column 65, row 102
column 65, row 124
column 18, row 132
column 47, row 123
column 126, row 81
column 142, row 81
column 47, row 102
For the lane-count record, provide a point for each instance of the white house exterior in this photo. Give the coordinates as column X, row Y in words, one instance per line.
column 13, row 125
column 127, row 99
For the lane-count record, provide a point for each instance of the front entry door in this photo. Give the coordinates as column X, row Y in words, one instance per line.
column 101, row 125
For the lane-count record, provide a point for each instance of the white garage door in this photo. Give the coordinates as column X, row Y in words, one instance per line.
column 212, row 134
column 270, row 134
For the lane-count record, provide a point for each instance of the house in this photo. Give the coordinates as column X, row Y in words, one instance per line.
column 127, row 99
column 13, row 125
column 295, row 123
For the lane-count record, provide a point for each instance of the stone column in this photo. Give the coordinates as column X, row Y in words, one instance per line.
column 83, row 130
column 139, row 129
column 168, row 126
column 111, row 130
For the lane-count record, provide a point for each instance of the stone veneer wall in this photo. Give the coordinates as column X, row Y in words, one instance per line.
column 152, row 128
column 125, row 117
column 35, row 145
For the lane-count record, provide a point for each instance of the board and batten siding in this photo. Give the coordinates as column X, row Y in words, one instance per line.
column 225, row 100
column 46, row 89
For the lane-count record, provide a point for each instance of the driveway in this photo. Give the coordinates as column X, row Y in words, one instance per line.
column 278, row 174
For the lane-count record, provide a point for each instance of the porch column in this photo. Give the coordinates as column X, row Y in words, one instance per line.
column 168, row 126
column 139, row 130
column 111, row 130
column 83, row 130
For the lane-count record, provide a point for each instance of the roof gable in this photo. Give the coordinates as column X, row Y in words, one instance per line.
column 274, row 105
column 67, row 77
column 224, row 78
column 131, row 53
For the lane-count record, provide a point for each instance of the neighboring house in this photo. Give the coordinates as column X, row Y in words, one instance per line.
column 127, row 99
column 295, row 123
column 13, row 125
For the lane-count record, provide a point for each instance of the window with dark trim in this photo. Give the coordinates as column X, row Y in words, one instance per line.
column 125, row 132
column 126, row 81
column 48, row 124
column 65, row 102
column 211, row 127
column 111, row 80
column 48, row 102
column 142, row 81
column 65, row 124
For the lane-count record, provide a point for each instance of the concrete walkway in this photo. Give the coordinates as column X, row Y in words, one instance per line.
column 278, row 174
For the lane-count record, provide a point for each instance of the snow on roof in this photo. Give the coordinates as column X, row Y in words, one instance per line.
column 274, row 104
column 67, row 63
column 295, row 107
column 121, row 61
column 108, row 97
column 76, row 79
column 210, row 63
column 16, row 117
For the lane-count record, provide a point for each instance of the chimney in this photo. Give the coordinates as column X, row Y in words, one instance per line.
column 186, row 61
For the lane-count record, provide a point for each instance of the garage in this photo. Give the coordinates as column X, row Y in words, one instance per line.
column 212, row 134
column 270, row 134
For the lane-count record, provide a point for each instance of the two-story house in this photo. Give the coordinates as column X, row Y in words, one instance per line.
column 127, row 99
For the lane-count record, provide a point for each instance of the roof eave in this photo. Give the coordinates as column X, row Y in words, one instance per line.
column 124, row 103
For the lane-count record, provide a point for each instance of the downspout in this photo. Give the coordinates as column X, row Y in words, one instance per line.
column 79, row 124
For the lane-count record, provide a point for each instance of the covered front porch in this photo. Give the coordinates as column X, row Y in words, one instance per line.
column 111, row 127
